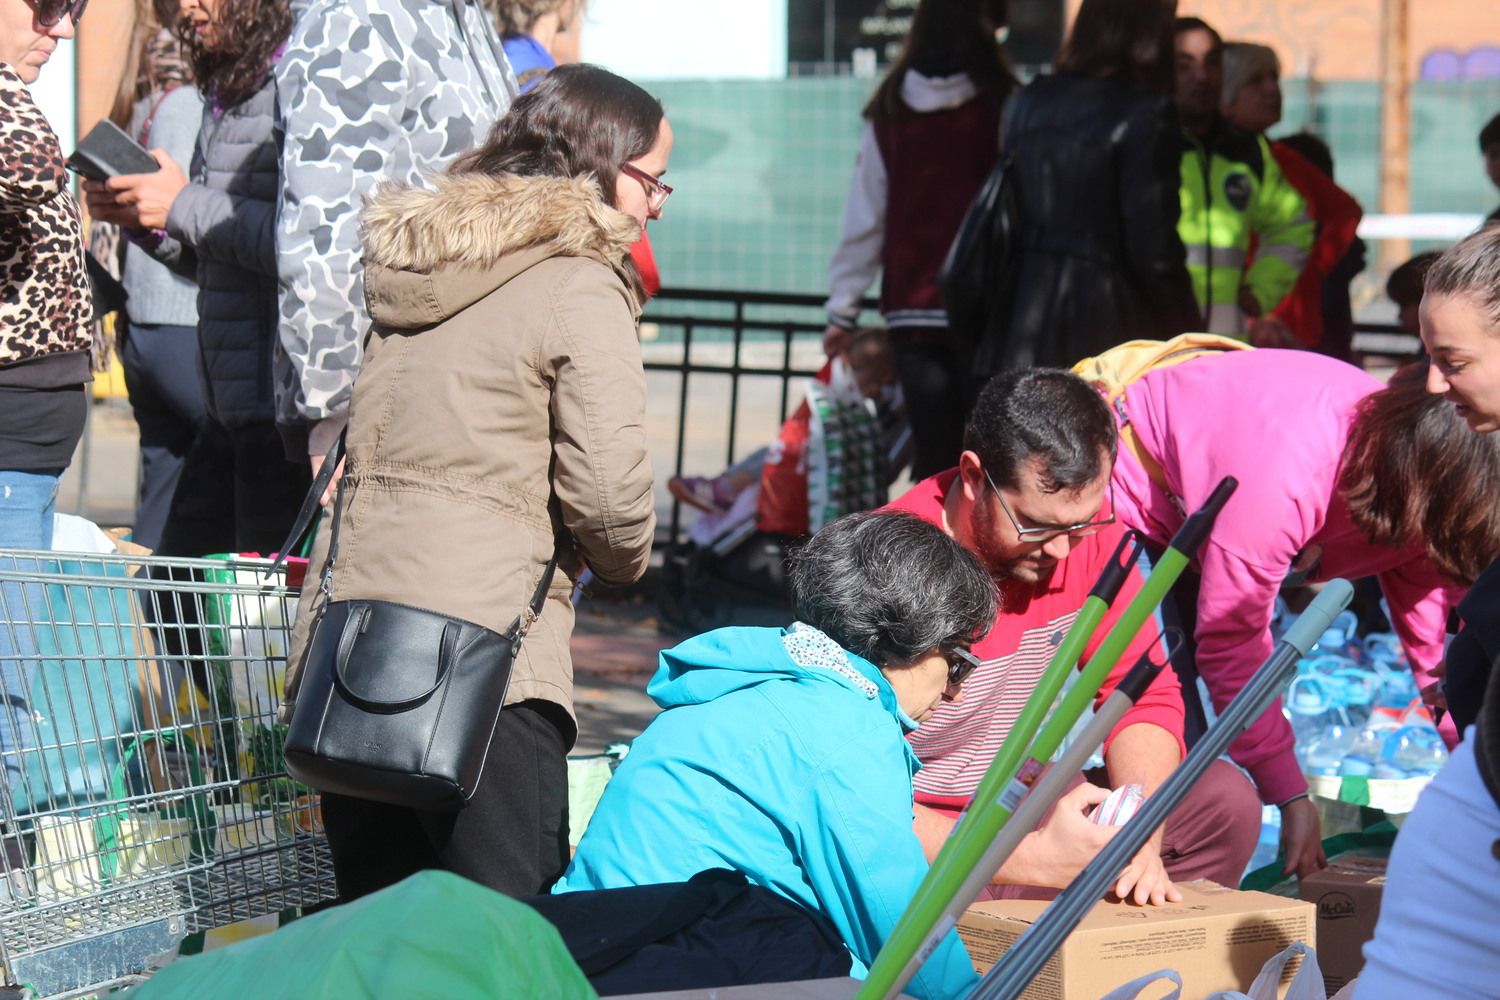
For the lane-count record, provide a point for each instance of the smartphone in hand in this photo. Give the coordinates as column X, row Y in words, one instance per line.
column 108, row 151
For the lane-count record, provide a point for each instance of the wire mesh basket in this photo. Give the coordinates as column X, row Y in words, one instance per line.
column 143, row 792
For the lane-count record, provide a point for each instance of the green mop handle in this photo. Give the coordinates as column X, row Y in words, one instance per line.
column 924, row 924
column 948, row 872
column 1064, row 659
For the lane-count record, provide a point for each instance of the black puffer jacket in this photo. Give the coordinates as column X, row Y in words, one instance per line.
column 1097, row 166
column 1472, row 682
column 223, row 229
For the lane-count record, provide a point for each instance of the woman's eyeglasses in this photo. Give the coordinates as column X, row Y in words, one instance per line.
column 50, row 12
column 961, row 663
column 657, row 193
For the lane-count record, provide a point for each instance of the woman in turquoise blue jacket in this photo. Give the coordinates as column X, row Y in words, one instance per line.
column 781, row 753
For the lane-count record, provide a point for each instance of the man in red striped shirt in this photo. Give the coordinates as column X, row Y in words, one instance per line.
column 1030, row 498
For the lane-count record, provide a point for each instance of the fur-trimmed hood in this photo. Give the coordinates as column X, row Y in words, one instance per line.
column 431, row 253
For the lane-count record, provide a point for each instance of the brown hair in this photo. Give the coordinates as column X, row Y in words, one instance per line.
column 1121, row 40
column 578, row 121
column 516, row 17
column 1471, row 268
column 1413, row 470
column 957, row 36
column 246, row 35
column 143, row 73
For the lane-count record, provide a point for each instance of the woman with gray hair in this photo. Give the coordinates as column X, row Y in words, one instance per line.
column 781, row 751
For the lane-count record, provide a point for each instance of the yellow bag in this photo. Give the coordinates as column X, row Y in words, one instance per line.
column 1117, row 368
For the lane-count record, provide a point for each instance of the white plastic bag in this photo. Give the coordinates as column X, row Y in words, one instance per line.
column 1306, row 985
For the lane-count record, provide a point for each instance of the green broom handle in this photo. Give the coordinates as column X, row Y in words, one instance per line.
column 922, row 924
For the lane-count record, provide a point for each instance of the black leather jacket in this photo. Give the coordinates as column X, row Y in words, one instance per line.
column 1097, row 171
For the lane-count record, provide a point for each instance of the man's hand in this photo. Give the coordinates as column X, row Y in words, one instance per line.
column 1301, row 838
column 1062, row 845
column 1268, row 331
column 1145, row 879
column 836, row 340
column 137, row 201
column 1249, row 304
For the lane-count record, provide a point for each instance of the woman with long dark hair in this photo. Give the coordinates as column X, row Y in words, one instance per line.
column 1339, row 477
column 1436, row 936
column 1096, row 153
column 159, row 107
column 499, row 416
column 237, row 492
column 931, row 136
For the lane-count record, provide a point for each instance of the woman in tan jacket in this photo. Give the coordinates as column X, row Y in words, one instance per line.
column 499, row 408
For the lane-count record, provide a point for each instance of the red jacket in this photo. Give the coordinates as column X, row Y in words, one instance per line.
column 1337, row 215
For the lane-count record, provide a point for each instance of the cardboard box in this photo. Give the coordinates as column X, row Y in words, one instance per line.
column 1216, row 938
column 1347, row 895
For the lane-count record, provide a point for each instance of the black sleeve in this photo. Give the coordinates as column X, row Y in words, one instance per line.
column 1149, row 153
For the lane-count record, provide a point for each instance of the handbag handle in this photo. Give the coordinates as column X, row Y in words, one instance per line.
column 353, row 627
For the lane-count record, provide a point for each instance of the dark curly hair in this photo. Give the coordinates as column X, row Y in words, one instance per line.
column 1413, row 471
column 246, row 35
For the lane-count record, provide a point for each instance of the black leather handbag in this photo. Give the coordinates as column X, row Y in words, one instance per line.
column 396, row 703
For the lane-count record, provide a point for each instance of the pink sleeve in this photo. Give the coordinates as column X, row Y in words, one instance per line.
column 1420, row 599
column 1233, row 635
column 1161, row 704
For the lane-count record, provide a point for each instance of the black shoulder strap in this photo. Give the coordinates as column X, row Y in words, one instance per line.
column 310, row 505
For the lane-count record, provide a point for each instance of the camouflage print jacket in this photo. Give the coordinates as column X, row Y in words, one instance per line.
column 368, row 90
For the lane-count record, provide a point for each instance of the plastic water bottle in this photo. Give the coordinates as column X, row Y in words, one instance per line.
column 1416, row 750
column 1324, row 754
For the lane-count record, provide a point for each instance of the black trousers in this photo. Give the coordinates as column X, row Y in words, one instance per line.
column 161, row 376
column 237, row 493
column 512, row 836
column 933, row 366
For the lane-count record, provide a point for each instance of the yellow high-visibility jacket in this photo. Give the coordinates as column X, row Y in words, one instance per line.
column 1231, row 189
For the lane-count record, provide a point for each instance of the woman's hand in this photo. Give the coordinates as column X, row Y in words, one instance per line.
column 1302, row 838
column 836, row 340
column 137, row 201
column 1434, row 695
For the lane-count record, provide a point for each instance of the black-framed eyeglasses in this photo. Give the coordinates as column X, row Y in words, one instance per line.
column 657, row 193
column 50, row 12
column 961, row 663
column 1081, row 530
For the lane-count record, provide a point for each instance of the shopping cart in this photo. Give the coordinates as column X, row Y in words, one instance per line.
column 143, row 792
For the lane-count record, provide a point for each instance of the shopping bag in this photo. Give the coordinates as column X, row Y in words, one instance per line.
column 81, row 689
column 1307, row 984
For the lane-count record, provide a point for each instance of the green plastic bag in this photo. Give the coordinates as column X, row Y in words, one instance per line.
column 434, row 935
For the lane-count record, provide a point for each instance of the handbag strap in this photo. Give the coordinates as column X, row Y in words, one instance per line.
column 311, row 506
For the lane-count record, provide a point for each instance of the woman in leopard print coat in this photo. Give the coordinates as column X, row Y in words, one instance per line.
column 46, row 319
column 45, row 310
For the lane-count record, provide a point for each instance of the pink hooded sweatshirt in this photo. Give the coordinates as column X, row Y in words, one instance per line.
column 1277, row 422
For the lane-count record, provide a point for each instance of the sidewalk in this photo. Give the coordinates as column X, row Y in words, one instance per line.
column 614, row 654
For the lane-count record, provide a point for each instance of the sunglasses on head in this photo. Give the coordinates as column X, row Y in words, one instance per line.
column 50, row 12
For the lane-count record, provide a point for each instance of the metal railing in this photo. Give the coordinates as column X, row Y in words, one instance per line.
column 679, row 319
column 695, row 333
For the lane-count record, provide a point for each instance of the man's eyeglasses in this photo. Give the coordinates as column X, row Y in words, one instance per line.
column 961, row 663
column 1081, row 530
column 50, row 12
column 657, row 193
